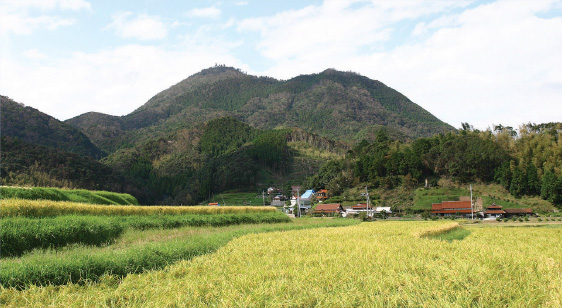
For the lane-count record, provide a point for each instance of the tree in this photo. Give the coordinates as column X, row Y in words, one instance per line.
column 533, row 183
column 518, row 185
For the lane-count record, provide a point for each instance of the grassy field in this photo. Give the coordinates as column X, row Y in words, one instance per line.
column 379, row 264
column 76, row 195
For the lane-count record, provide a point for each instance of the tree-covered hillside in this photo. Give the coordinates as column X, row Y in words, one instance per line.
column 33, row 126
column 25, row 164
column 526, row 163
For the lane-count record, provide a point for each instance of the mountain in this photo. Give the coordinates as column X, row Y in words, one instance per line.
column 334, row 104
column 33, row 126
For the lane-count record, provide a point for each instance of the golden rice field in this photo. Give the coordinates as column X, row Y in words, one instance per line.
column 379, row 264
column 45, row 208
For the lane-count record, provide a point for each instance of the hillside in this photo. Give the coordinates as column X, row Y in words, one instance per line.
column 338, row 105
column 33, row 126
column 25, row 164
column 192, row 164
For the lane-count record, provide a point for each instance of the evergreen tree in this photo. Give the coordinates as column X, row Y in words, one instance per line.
column 548, row 186
column 533, row 183
column 518, row 185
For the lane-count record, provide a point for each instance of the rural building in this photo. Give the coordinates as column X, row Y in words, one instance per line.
column 519, row 212
column 306, row 198
column 214, row 204
column 494, row 211
column 322, row 195
column 331, row 209
column 452, row 208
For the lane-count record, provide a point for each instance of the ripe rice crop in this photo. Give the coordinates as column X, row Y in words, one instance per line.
column 45, row 208
column 379, row 264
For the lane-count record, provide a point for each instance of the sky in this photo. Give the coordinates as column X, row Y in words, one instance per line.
column 480, row 62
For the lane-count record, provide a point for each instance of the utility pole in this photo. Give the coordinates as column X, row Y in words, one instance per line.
column 299, row 202
column 263, row 196
column 471, row 204
column 368, row 200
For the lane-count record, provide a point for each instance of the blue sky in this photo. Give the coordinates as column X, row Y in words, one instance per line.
column 481, row 62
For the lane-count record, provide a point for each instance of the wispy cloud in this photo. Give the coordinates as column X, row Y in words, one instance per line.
column 142, row 27
column 208, row 12
column 16, row 18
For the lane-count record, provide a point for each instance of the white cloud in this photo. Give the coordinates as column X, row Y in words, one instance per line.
column 73, row 5
column 209, row 12
column 23, row 24
column 114, row 81
column 142, row 27
column 15, row 17
column 34, row 54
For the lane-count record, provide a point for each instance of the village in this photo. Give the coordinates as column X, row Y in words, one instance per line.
column 313, row 203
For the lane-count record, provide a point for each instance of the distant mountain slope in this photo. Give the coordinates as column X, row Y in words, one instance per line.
column 25, row 164
column 36, row 127
column 339, row 105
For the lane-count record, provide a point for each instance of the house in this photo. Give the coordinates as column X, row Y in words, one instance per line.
column 272, row 190
column 214, row 204
column 453, row 208
column 306, row 198
column 328, row 208
column 518, row 212
column 494, row 211
column 322, row 195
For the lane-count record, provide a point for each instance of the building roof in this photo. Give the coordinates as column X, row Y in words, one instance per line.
column 213, row 204
column 519, row 211
column 452, row 211
column 307, row 194
column 494, row 212
column 451, row 206
column 328, row 207
column 494, row 207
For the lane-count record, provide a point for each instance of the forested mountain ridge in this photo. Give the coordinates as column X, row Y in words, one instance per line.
column 36, row 127
column 338, row 105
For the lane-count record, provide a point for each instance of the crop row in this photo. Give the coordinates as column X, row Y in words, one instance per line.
column 75, row 195
column 19, row 234
column 44, row 208
column 82, row 265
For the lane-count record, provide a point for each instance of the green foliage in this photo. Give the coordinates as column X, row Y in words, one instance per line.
column 55, row 194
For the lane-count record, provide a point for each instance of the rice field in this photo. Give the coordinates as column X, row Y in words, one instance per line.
column 47, row 208
column 379, row 264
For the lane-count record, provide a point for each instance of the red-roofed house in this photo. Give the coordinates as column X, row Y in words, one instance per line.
column 494, row 211
column 322, row 195
column 452, row 208
column 328, row 208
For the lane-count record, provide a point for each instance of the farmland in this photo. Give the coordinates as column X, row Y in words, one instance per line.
column 378, row 264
